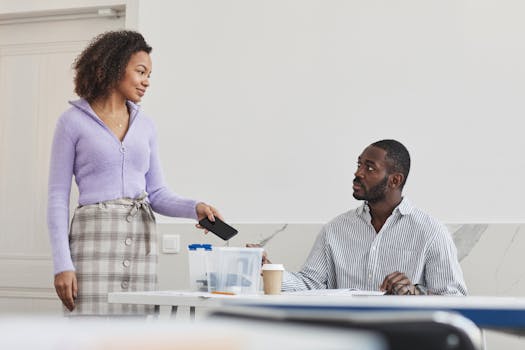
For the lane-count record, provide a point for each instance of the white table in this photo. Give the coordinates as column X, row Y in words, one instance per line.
column 174, row 302
column 371, row 310
column 499, row 313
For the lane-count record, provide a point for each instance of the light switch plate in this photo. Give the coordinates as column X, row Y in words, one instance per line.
column 171, row 244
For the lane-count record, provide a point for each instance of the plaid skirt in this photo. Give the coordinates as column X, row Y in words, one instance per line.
column 114, row 249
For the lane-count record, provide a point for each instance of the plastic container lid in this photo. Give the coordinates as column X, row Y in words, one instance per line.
column 239, row 249
column 274, row 267
column 199, row 246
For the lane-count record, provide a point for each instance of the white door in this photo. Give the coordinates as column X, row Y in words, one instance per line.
column 36, row 81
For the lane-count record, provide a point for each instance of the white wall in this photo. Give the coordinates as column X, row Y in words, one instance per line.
column 264, row 106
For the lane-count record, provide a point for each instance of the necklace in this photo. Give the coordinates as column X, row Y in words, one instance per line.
column 120, row 123
column 116, row 121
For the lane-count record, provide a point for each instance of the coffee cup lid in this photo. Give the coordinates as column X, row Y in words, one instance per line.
column 278, row 267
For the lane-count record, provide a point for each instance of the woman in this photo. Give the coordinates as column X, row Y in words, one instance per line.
column 110, row 146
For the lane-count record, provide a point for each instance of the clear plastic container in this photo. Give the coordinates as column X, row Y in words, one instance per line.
column 235, row 270
column 199, row 256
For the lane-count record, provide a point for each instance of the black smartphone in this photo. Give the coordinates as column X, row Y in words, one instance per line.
column 219, row 227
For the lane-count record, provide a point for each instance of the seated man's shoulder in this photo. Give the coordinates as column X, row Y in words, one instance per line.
column 342, row 221
column 427, row 223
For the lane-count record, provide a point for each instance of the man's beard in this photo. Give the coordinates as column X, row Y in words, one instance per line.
column 374, row 194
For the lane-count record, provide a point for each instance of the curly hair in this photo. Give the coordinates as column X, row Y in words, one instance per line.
column 103, row 62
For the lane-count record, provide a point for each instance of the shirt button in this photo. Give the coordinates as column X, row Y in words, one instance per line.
column 122, row 149
column 128, row 241
column 124, row 284
column 125, row 263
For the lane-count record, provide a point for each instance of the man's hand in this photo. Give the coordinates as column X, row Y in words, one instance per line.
column 264, row 255
column 66, row 288
column 397, row 283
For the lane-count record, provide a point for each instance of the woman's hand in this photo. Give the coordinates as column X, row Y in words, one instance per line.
column 66, row 288
column 204, row 210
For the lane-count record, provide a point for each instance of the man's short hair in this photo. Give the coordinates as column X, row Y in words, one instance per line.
column 397, row 156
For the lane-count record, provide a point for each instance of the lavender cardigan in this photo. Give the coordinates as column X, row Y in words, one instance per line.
column 104, row 169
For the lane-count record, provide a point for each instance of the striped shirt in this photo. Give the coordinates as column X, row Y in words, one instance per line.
column 348, row 253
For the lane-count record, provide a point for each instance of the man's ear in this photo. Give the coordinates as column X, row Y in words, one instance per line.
column 396, row 180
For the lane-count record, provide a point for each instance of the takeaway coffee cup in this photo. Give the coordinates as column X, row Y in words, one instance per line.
column 272, row 278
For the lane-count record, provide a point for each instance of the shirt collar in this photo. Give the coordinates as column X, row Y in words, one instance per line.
column 84, row 106
column 404, row 208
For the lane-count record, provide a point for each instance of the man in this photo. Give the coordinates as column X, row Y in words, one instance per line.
column 386, row 243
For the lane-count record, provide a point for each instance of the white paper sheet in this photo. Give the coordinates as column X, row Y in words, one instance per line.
column 336, row 292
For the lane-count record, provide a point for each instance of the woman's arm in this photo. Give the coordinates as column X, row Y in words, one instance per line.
column 59, row 189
